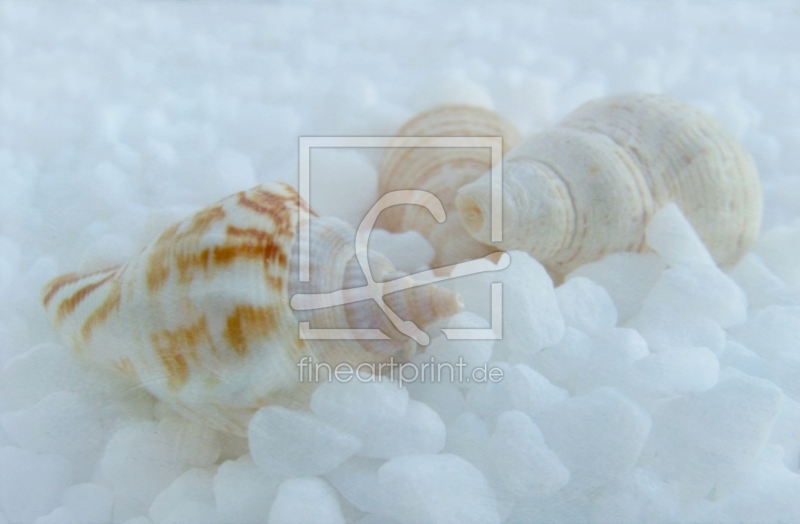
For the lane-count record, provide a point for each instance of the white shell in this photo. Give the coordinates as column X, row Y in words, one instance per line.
column 201, row 317
column 441, row 171
column 589, row 185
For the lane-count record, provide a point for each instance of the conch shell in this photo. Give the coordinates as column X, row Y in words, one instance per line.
column 589, row 185
column 441, row 171
column 201, row 318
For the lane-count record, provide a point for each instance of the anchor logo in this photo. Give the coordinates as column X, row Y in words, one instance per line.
column 377, row 290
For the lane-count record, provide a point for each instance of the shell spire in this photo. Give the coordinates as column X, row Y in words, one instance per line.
column 201, row 318
column 590, row 185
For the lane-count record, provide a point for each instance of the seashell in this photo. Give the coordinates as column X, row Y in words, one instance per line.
column 441, row 171
column 589, row 185
column 201, row 318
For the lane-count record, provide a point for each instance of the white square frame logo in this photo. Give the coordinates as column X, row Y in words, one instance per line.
column 493, row 143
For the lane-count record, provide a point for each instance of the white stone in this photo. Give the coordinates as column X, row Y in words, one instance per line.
column 304, row 500
column 671, row 235
column 40, row 371
column 520, row 460
column 521, row 388
column 698, row 290
column 596, row 436
column 585, row 305
column 436, row 489
column 773, row 333
column 679, row 371
column 468, row 437
column 193, row 512
column 613, row 353
column 89, row 503
column 627, row 277
column 767, row 494
column 634, row 498
column 666, row 330
column 420, row 430
column 778, row 248
column 195, row 485
column 365, row 409
column 62, row 422
column 242, row 492
column 455, row 360
column 357, row 480
column 60, row 515
column 528, row 300
column 563, row 360
column 31, row 484
column 762, row 287
column 710, row 439
column 443, row 397
column 297, row 443
column 143, row 458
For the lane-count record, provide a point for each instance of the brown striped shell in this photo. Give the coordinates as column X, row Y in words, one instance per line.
column 201, row 318
column 590, row 185
column 441, row 171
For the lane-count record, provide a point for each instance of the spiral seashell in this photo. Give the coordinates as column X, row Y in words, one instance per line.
column 201, row 318
column 589, row 185
column 441, row 171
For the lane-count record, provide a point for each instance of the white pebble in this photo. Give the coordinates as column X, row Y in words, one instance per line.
column 521, row 461
column 436, row 489
column 671, row 235
column 420, row 430
column 773, row 333
column 193, row 512
column 242, row 492
column 627, row 277
column 142, row 459
column 364, row 409
column 522, row 389
column 31, row 484
column 357, row 480
column 679, row 371
column 711, row 439
column 62, row 423
column 528, row 300
column 778, row 248
column 613, row 353
column 666, row 331
column 467, row 437
column 443, row 397
column 296, row 443
column 586, row 305
column 442, row 351
column 40, row 371
column 596, row 436
column 304, row 500
column 563, row 360
column 634, row 498
column 60, row 515
column 194, row 485
column 89, row 503
column 693, row 290
column 762, row 287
